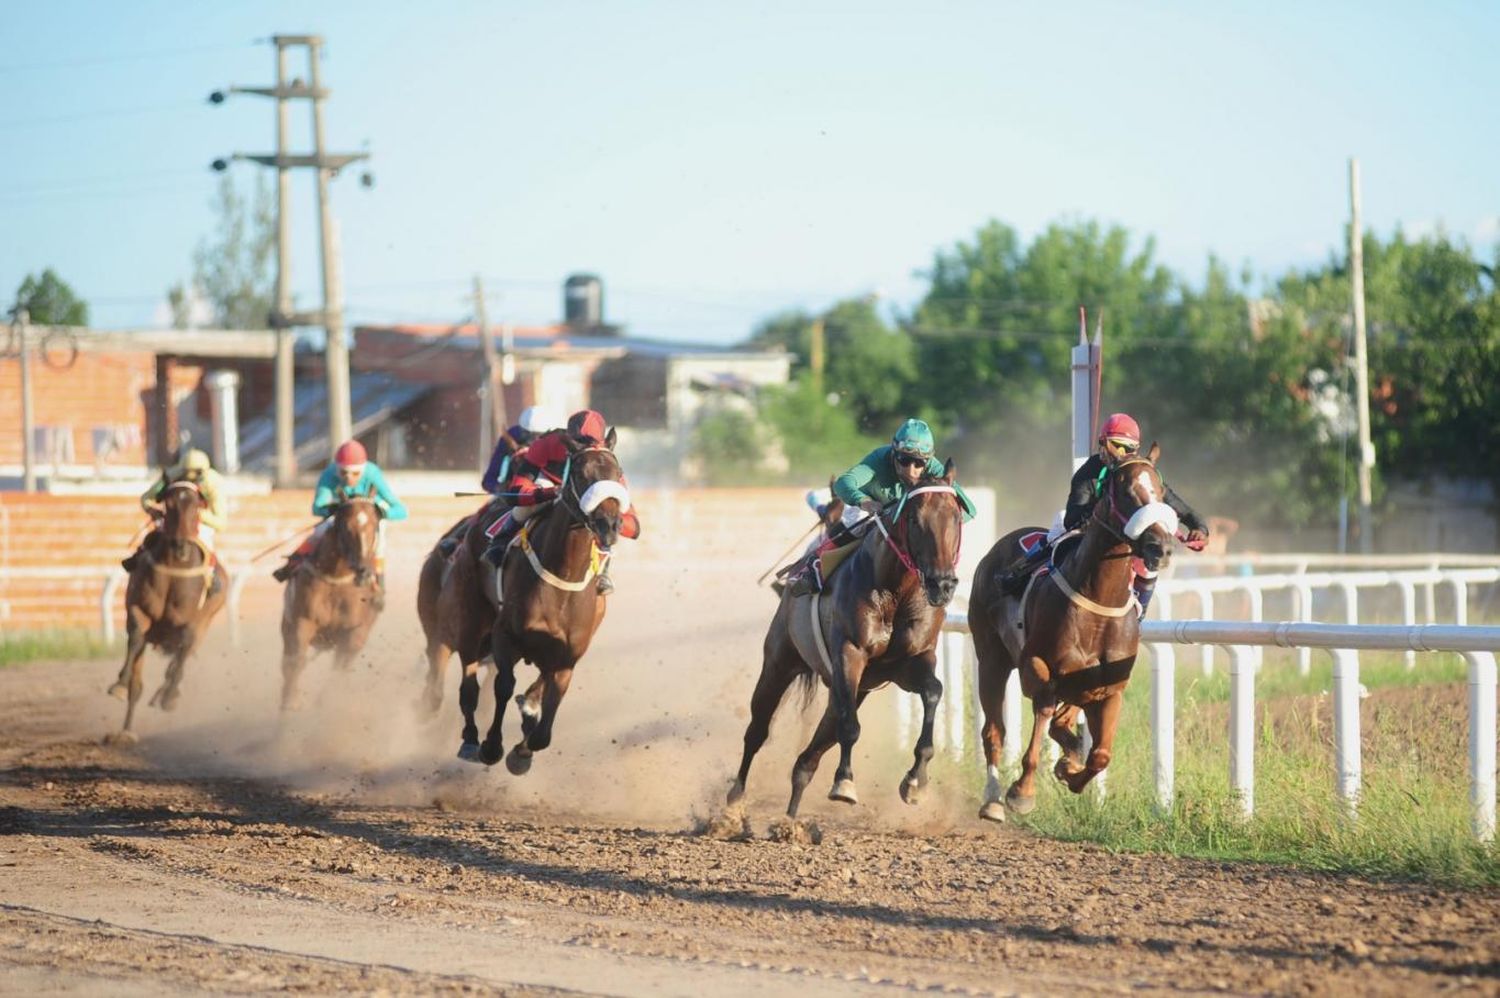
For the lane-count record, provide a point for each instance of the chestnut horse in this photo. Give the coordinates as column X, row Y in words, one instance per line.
column 330, row 600
column 1074, row 633
column 455, row 613
column 549, row 607
column 167, row 601
column 877, row 621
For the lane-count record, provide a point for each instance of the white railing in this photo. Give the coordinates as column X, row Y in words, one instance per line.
column 110, row 578
column 1302, row 562
column 1476, row 644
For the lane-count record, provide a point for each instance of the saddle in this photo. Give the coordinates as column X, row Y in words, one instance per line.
column 829, row 561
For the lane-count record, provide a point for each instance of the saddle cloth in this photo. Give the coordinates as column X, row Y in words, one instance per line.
column 829, row 561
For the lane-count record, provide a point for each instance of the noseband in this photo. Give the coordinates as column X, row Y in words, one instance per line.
column 900, row 524
column 580, row 506
column 1130, row 530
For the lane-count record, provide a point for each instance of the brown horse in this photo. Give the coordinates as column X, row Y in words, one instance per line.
column 455, row 613
column 1074, row 633
column 330, row 600
column 167, row 601
column 878, row 621
column 549, row 604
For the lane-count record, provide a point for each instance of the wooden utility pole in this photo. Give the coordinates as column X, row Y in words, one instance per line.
column 492, row 402
column 1361, row 362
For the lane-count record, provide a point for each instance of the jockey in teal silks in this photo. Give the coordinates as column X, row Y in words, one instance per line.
column 881, row 478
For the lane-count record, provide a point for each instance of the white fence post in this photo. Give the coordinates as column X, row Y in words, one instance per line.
column 1208, row 613
column 1346, row 726
column 1460, row 601
column 107, row 605
column 1163, row 721
column 1011, row 747
column 1305, row 612
column 1408, row 615
column 1242, row 726
column 955, row 691
column 1482, row 742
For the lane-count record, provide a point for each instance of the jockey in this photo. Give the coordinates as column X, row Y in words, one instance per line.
column 1119, row 440
column 535, row 481
column 350, row 474
column 535, row 420
column 883, row 477
column 193, row 466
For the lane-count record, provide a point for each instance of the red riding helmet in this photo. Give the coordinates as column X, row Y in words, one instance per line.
column 586, row 424
column 351, row 454
column 1120, row 427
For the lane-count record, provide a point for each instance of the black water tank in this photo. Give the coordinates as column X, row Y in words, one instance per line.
column 583, row 301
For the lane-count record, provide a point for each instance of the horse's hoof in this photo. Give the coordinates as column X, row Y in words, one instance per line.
column 1020, row 805
column 1066, row 769
column 911, row 790
column 843, row 790
column 518, row 764
column 121, row 738
column 169, row 700
column 119, row 691
column 490, row 754
column 736, row 791
column 469, row 751
column 994, row 811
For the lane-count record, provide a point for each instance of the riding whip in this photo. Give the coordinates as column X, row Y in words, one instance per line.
column 288, row 537
column 792, row 547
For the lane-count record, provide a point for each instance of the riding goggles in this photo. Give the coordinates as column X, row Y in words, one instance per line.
column 1123, row 446
column 910, row 460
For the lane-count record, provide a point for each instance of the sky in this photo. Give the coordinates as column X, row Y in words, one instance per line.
column 716, row 164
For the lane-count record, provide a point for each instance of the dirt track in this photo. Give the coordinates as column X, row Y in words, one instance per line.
column 345, row 849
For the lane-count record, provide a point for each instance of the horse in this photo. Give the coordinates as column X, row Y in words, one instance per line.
column 168, row 602
column 329, row 601
column 548, row 604
column 877, row 621
column 455, row 613
column 1074, row 633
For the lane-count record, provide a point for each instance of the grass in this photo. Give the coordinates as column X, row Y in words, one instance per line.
column 41, row 646
column 1413, row 820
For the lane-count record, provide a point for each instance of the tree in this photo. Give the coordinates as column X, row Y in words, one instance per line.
column 232, row 271
column 50, row 301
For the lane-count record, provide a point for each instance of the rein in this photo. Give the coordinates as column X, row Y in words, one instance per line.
column 578, row 507
column 901, row 555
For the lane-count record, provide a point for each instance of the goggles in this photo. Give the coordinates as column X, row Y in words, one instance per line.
column 910, row 460
column 1123, row 446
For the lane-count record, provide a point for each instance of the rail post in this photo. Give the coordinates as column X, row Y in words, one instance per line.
column 1010, row 746
column 1482, row 742
column 1408, row 615
column 1346, row 726
column 1304, row 612
column 107, row 605
column 1163, row 721
column 1242, row 726
column 1207, row 652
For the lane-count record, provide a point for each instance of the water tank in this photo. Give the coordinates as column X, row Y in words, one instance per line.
column 583, row 301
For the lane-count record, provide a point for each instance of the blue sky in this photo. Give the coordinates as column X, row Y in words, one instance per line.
column 718, row 163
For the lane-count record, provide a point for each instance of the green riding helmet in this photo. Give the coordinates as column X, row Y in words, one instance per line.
column 914, row 437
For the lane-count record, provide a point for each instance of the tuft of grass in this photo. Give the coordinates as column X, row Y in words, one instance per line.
column 42, row 646
column 1413, row 819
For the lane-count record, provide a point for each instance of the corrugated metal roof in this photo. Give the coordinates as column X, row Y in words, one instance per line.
column 374, row 398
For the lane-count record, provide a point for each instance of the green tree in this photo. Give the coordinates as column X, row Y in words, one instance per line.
column 232, row 271
column 728, row 446
column 50, row 301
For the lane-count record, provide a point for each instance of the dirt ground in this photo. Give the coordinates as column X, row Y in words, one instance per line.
column 344, row 848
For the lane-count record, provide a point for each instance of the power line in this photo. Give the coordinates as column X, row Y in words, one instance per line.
column 85, row 183
column 119, row 112
column 125, row 57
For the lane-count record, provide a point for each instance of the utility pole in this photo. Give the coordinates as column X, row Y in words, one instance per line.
column 1361, row 361
column 331, row 316
column 492, row 403
column 28, row 412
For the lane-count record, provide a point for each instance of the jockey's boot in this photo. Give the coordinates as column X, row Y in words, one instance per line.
column 605, row 586
column 809, row 580
column 129, row 563
column 1013, row 582
column 495, row 553
column 285, row 571
column 1144, row 588
column 377, row 599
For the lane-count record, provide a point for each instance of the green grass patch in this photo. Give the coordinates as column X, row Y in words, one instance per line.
column 1413, row 821
column 42, row 646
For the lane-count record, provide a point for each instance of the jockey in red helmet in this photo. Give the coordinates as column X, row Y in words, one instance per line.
column 1119, row 440
column 538, row 474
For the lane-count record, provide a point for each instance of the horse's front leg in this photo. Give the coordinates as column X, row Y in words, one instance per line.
column 1064, row 731
column 130, row 682
column 296, row 636
column 844, row 697
column 1104, row 718
column 170, row 692
column 554, row 687
column 505, row 655
column 1021, row 797
column 920, row 677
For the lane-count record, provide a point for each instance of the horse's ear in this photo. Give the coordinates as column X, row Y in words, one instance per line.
column 1153, row 452
column 571, row 444
column 949, row 469
column 610, row 438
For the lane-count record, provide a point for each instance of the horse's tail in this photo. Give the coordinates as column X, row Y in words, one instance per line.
column 807, row 687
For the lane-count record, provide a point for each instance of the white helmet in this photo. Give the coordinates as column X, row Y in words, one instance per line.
column 538, row 419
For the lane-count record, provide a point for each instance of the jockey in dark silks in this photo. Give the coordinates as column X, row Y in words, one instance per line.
column 882, row 477
column 1119, row 440
column 535, row 420
column 538, row 474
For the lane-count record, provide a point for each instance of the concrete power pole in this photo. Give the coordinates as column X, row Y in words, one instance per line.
column 331, row 316
column 1361, row 362
column 492, row 404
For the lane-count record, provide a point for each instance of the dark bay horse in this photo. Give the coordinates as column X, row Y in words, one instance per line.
column 167, row 601
column 549, row 604
column 329, row 601
column 452, row 605
column 878, row 621
column 1080, row 636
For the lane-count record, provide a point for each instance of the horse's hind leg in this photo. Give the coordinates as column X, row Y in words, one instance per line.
column 807, row 763
column 530, row 705
column 1064, row 731
column 921, row 678
column 845, row 696
column 555, row 684
column 775, row 677
column 993, row 666
column 1021, row 797
column 1104, row 718
column 468, row 704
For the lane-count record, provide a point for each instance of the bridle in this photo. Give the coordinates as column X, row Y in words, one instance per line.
column 580, row 505
column 900, row 523
column 1130, row 530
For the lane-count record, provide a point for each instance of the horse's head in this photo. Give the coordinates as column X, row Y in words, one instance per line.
column 1138, row 511
column 356, row 527
column 182, row 507
column 593, row 490
column 932, row 524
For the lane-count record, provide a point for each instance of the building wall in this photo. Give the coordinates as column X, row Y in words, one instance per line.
column 93, row 412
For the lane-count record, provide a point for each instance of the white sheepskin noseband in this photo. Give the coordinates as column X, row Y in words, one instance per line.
column 1149, row 514
column 606, row 489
